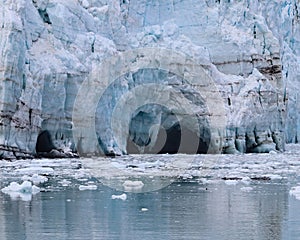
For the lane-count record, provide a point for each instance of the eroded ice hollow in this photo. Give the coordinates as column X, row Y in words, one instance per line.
column 172, row 119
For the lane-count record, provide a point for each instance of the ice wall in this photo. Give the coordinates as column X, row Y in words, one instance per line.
column 249, row 48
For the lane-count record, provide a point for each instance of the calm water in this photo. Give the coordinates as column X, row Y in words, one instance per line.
column 260, row 210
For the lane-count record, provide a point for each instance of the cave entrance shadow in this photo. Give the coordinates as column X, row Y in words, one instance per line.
column 169, row 141
column 44, row 142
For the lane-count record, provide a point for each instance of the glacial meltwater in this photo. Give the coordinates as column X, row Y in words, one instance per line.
column 251, row 196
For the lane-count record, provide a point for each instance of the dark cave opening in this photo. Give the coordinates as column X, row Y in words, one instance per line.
column 176, row 139
column 44, row 142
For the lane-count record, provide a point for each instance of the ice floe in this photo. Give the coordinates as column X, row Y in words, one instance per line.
column 24, row 190
column 65, row 183
column 132, row 186
column 121, row 197
column 87, row 187
column 35, row 170
column 35, row 178
column 135, row 173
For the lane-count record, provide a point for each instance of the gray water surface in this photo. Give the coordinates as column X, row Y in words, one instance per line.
column 183, row 210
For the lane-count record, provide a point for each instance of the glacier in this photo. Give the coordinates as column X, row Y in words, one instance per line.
column 51, row 48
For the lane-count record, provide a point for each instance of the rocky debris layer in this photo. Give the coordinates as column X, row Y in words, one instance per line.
column 250, row 49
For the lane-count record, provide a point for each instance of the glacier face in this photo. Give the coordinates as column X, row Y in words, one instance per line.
column 250, row 49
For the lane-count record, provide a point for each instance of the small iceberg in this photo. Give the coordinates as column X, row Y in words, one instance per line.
column 35, row 170
column 23, row 191
column 132, row 186
column 35, row 178
column 64, row 183
column 88, row 187
column 122, row 196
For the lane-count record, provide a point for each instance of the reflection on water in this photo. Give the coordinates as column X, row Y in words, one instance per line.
column 179, row 211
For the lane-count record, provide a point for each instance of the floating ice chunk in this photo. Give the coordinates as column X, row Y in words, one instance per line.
column 82, row 179
column 246, row 189
column 209, row 181
column 89, row 187
column 132, row 185
column 155, row 164
column 122, row 196
column 246, row 180
column 65, row 183
column 23, row 191
column 295, row 191
column 186, row 176
column 35, row 178
column 202, row 188
column 81, row 174
column 274, row 176
column 35, row 170
column 25, row 187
